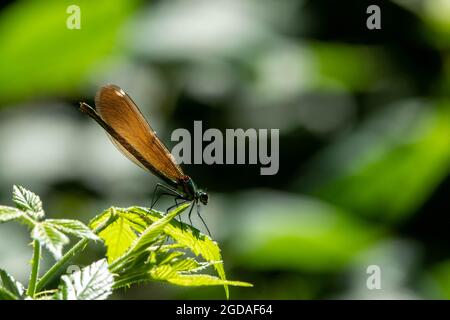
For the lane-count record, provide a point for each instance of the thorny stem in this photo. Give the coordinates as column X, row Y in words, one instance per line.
column 34, row 268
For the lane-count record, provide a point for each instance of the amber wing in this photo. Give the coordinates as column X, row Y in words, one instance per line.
column 119, row 111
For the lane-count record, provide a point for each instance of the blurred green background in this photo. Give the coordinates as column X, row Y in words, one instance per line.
column 364, row 119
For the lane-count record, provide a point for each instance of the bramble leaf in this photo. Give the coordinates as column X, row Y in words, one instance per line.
column 10, row 289
column 27, row 201
column 119, row 235
column 50, row 237
column 150, row 234
column 199, row 244
column 93, row 282
column 204, row 280
column 9, row 213
column 74, row 227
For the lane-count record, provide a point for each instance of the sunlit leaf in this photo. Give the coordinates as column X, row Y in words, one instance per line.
column 169, row 255
column 199, row 244
column 156, row 228
column 93, row 282
column 167, row 273
column 205, row 280
column 28, row 201
column 10, row 289
column 150, row 257
column 179, row 273
column 74, row 227
column 119, row 235
column 9, row 213
column 122, row 234
column 186, row 264
column 50, row 238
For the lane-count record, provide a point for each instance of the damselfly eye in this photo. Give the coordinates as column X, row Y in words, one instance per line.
column 203, row 197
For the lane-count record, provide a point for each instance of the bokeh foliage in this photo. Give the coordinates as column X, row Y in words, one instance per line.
column 364, row 119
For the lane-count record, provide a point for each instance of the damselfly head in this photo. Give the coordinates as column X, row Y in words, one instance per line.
column 202, row 197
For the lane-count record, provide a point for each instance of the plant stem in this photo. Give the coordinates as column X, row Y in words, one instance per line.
column 34, row 268
column 55, row 269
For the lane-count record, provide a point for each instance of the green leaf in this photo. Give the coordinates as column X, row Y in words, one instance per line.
column 119, row 235
column 205, row 280
column 73, row 227
column 122, row 235
column 9, row 213
column 6, row 295
column 50, row 238
column 178, row 272
column 177, row 260
column 166, row 256
column 148, row 258
column 10, row 289
column 149, row 236
column 186, row 235
column 30, row 29
column 133, row 219
column 93, row 282
column 187, row 264
column 163, row 273
column 28, row 201
column 167, row 273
